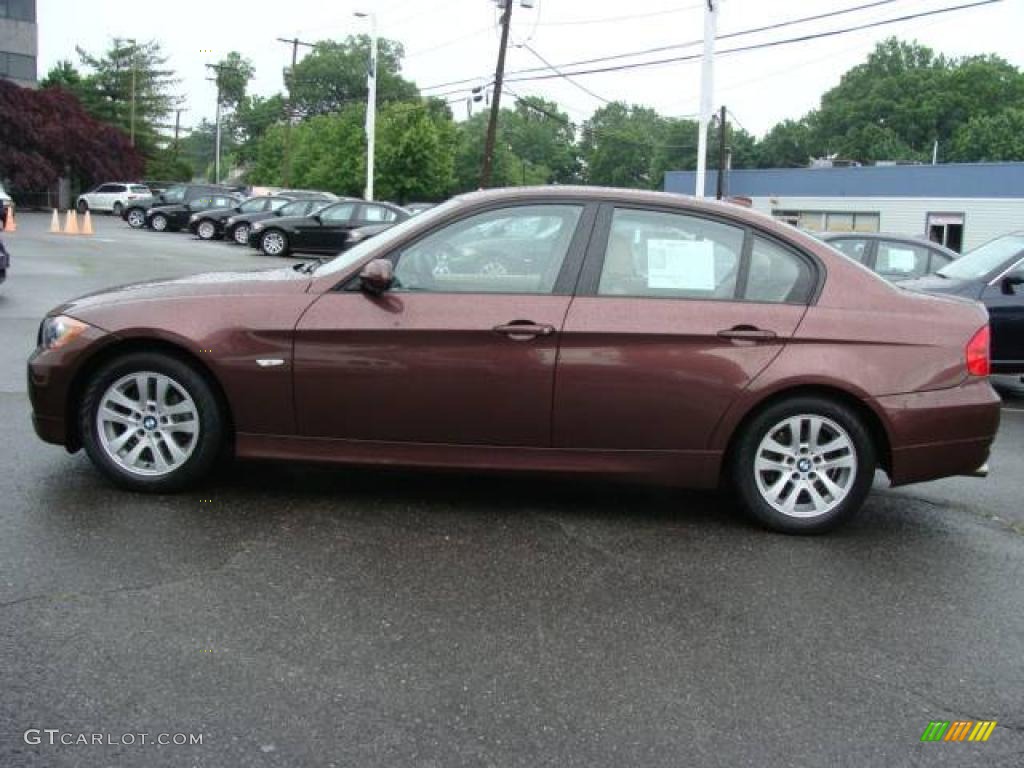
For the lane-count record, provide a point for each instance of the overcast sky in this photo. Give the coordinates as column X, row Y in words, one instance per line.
column 449, row 40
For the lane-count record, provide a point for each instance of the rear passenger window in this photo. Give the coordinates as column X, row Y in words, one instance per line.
column 671, row 255
column 777, row 275
column 855, row 249
column 378, row 213
column 901, row 261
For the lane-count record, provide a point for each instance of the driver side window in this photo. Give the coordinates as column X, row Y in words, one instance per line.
column 517, row 249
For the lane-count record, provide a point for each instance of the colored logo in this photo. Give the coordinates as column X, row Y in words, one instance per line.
column 958, row 730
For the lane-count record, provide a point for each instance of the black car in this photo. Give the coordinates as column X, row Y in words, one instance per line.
column 209, row 225
column 170, row 218
column 135, row 211
column 993, row 274
column 238, row 226
column 324, row 231
column 894, row 257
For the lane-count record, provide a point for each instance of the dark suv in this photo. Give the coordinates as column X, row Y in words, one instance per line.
column 135, row 212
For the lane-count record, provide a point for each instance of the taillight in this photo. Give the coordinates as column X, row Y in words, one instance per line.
column 978, row 353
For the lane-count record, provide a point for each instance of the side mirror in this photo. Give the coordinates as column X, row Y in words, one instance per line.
column 377, row 276
column 1010, row 283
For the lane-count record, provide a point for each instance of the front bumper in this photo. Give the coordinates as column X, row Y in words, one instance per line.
column 941, row 433
column 51, row 377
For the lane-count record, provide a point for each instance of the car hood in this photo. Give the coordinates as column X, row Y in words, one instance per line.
column 215, row 285
column 945, row 285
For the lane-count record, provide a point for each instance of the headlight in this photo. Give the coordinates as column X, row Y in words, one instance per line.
column 257, row 227
column 193, row 217
column 55, row 332
column 230, row 221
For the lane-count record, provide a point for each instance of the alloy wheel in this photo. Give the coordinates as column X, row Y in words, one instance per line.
column 207, row 230
column 160, row 222
column 242, row 234
column 273, row 243
column 136, row 218
column 805, row 466
column 147, row 423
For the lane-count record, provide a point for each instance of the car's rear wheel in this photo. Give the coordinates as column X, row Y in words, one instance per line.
column 150, row 422
column 241, row 234
column 159, row 222
column 82, row 206
column 804, row 465
column 206, row 230
column 118, row 209
column 136, row 218
column 274, row 243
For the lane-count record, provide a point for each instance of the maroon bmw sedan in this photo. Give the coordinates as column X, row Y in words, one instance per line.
column 568, row 330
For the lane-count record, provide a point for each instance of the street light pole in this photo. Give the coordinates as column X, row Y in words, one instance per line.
column 371, row 103
column 706, row 91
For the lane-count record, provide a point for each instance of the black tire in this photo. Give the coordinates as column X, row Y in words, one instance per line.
column 211, row 437
column 856, row 481
column 118, row 209
column 160, row 223
column 206, row 232
column 268, row 238
column 82, row 207
column 136, row 218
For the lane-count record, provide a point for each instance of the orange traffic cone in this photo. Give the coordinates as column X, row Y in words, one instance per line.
column 71, row 223
column 87, row 224
column 55, row 223
column 11, row 226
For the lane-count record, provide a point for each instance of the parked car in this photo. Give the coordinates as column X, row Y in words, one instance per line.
column 209, row 224
column 135, row 211
column 744, row 354
column 894, row 257
column 323, row 232
column 238, row 227
column 170, row 218
column 112, row 197
column 6, row 198
column 993, row 274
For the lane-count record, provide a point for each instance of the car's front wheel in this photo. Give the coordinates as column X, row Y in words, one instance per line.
column 804, row 465
column 151, row 422
column 241, row 234
column 159, row 222
column 136, row 218
column 206, row 230
column 274, row 242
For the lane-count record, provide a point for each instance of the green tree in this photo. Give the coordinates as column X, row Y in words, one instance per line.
column 619, row 145
column 991, row 138
column 334, row 76
column 233, row 76
column 130, row 72
column 789, row 144
column 251, row 120
column 415, row 152
column 543, row 137
column 329, row 152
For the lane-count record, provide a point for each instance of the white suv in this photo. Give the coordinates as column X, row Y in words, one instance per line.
column 112, row 197
column 5, row 197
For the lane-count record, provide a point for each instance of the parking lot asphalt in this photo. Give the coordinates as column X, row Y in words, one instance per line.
column 300, row 616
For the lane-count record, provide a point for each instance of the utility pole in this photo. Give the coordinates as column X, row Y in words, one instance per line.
column 134, row 56
column 721, row 154
column 371, row 104
column 706, row 91
column 499, row 76
column 287, row 174
column 218, row 68
column 177, row 130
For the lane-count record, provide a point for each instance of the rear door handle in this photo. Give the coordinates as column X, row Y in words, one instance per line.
column 523, row 330
column 747, row 333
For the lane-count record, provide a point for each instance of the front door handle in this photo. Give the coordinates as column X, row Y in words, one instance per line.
column 747, row 333
column 524, row 330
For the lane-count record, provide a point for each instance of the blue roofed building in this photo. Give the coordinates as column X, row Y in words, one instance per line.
column 960, row 205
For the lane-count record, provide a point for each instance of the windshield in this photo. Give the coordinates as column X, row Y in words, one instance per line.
column 358, row 252
column 984, row 259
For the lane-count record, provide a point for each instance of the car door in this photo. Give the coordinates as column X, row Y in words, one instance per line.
column 102, row 199
column 443, row 357
column 675, row 315
column 1004, row 298
column 327, row 233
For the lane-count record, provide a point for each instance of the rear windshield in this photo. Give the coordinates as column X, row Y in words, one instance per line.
column 985, row 259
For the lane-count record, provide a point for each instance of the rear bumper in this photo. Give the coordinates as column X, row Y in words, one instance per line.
column 941, row 433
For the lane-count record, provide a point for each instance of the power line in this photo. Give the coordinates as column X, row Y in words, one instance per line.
column 692, row 43
column 759, row 46
column 568, row 79
column 613, row 19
